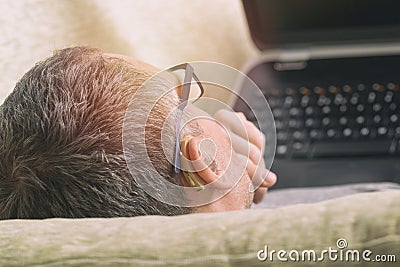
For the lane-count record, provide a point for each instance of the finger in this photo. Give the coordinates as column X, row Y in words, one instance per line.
column 232, row 121
column 260, row 194
column 245, row 148
column 260, row 177
column 238, row 123
column 255, row 136
column 255, row 163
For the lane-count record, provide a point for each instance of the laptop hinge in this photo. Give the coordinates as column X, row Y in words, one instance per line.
column 294, row 59
column 294, row 55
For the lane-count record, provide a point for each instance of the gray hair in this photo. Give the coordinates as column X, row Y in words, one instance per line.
column 61, row 140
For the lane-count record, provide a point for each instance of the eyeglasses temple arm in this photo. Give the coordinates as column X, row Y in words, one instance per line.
column 185, row 96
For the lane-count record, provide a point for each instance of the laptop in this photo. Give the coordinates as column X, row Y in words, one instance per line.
column 330, row 71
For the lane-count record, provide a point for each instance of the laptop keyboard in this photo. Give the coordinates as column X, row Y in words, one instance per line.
column 357, row 119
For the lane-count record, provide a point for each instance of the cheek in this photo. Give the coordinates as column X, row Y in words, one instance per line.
column 224, row 155
column 222, row 144
column 225, row 151
column 250, row 192
column 241, row 193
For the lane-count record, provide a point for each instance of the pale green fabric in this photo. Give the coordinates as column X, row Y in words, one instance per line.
column 366, row 221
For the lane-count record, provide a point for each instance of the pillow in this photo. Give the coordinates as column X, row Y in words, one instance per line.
column 363, row 221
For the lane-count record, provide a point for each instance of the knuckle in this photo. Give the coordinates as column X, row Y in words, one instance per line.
column 254, row 153
column 242, row 117
column 253, row 128
column 241, row 114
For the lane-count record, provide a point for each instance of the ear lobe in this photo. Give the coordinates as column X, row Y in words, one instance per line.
column 194, row 154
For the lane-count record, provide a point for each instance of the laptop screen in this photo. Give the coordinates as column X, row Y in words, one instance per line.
column 277, row 23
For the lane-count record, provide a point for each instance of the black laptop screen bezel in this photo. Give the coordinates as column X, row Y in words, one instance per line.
column 273, row 39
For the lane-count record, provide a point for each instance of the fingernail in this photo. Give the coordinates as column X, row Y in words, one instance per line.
column 270, row 178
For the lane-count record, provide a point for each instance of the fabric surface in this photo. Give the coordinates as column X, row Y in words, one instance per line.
column 367, row 221
column 161, row 33
column 283, row 197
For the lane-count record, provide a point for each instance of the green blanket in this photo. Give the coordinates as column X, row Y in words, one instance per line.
column 367, row 221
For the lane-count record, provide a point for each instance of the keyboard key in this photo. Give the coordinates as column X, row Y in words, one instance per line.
column 347, row 89
column 382, row 131
column 393, row 87
column 288, row 102
column 316, row 134
column 377, row 107
column 281, row 150
column 299, row 135
column 360, row 120
column 354, row 99
column 274, row 102
column 298, row 145
column 326, row 121
column 276, row 93
column 392, row 107
column 295, row 112
column 371, row 97
column 388, row 97
column 295, row 123
column 312, row 123
column 290, row 91
column 319, row 90
column 321, row 100
column 310, row 111
column 343, row 121
column 282, row 137
column 340, row 100
column 279, row 125
column 394, row 118
column 309, row 123
column 377, row 119
column 347, row 132
column 305, row 100
column 378, row 87
column 343, row 109
column 361, row 87
column 299, row 150
column 331, row 133
column 305, row 91
column 326, row 110
column 333, row 89
column 364, row 131
column 278, row 113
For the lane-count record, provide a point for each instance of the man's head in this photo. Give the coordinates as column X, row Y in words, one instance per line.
column 61, row 141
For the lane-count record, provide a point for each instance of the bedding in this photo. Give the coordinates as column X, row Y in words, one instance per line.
column 365, row 221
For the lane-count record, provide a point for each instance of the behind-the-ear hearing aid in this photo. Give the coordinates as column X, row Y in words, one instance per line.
column 192, row 178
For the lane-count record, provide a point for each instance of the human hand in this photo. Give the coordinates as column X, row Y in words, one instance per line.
column 249, row 142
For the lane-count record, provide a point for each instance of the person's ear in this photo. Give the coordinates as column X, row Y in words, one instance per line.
column 199, row 161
